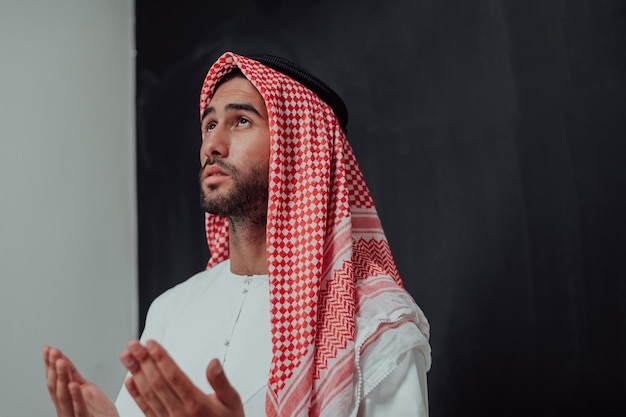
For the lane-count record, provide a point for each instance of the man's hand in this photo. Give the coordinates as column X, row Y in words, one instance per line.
column 73, row 395
column 161, row 389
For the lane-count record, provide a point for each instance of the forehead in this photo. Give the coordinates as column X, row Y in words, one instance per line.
column 236, row 89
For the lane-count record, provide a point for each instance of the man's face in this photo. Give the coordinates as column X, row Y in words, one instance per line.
column 234, row 156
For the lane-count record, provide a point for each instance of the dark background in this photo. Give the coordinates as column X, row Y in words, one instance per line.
column 492, row 136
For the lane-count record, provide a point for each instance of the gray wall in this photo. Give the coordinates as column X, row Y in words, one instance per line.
column 67, row 189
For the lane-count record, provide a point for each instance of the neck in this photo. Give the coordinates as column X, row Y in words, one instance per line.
column 247, row 248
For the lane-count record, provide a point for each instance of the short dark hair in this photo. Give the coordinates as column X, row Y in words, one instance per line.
column 234, row 73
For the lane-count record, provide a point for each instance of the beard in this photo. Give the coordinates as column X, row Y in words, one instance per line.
column 247, row 197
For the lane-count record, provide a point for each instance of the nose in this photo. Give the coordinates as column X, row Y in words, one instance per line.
column 215, row 144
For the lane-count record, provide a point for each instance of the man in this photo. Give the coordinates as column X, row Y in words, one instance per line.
column 301, row 305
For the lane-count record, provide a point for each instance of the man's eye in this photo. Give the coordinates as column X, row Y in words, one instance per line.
column 210, row 126
column 243, row 121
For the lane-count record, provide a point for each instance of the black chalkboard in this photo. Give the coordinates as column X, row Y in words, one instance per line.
column 492, row 135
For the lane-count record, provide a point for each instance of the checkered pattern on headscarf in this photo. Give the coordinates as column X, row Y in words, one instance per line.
column 325, row 247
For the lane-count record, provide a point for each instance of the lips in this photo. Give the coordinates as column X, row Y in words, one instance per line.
column 213, row 175
column 214, row 171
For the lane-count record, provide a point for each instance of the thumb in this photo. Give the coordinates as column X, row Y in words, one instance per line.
column 223, row 390
column 56, row 355
column 74, row 374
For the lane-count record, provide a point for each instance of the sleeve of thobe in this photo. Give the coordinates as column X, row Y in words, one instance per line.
column 403, row 392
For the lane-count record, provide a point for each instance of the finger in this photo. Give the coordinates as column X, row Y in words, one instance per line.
column 134, row 392
column 74, row 374
column 46, row 353
column 150, row 384
column 179, row 382
column 129, row 362
column 62, row 393
column 78, row 400
column 51, row 375
column 53, row 355
column 223, row 390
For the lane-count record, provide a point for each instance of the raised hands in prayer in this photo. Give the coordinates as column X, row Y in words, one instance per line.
column 73, row 395
column 159, row 387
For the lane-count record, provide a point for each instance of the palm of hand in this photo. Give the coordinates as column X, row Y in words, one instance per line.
column 98, row 402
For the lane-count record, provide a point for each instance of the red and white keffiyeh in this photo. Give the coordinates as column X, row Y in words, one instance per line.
column 340, row 315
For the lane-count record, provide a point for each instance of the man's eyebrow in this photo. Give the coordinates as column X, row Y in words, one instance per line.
column 233, row 106
column 207, row 111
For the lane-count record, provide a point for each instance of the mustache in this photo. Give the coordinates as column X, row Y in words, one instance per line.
column 218, row 162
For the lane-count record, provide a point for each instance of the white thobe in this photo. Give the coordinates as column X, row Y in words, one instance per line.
column 217, row 314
